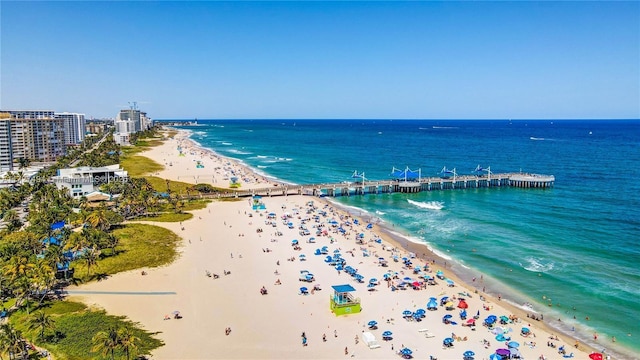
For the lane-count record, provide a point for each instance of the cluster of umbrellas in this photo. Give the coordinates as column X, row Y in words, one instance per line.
column 417, row 315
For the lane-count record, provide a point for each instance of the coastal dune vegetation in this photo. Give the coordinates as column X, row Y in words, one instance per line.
column 39, row 261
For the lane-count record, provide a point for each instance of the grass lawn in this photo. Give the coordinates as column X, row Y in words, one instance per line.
column 167, row 217
column 141, row 246
column 137, row 165
column 77, row 324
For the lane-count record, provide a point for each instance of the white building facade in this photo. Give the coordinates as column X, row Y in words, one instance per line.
column 82, row 181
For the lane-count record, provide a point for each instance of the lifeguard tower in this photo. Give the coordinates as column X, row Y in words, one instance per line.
column 342, row 302
column 257, row 203
column 234, row 183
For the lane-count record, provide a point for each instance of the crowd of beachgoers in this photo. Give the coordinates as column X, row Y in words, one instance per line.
column 255, row 279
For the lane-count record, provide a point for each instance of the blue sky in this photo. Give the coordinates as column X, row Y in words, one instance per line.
column 225, row 60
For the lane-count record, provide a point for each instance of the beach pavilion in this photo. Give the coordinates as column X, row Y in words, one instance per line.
column 342, row 302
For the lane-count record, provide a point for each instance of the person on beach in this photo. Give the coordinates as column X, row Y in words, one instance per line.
column 346, row 351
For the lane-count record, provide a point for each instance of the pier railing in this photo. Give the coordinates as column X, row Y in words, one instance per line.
column 519, row 180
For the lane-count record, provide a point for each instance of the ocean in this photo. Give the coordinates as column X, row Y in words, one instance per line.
column 571, row 251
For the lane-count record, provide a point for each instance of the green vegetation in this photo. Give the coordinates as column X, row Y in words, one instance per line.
column 99, row 246
column 75, row 326
column 139, row 245
column 168, row 217
column 137, row 165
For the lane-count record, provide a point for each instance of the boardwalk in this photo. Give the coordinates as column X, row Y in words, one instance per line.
column 519, row 180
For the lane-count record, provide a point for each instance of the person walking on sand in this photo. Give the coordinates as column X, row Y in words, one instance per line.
column 346, row 351
column 335, row 333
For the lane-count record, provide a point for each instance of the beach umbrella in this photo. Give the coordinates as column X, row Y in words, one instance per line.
column 336, row 251
column 503, row 352
column 407, row 279
column 504, row 319
column 469, row 353
column 420, row 312
column 449, row 282
column 448, row 316
column 387, row 334
column 175, row 312
column 361, row 235
column 495, row 357
column 369, row 226
column 339, row 267
column 372, row 323
column 595, row 356
column 447, row 341
column 463, row 304
column 302, row 256
column 525, row 330
column 386, row 276
column 449, row 305
column 500, row 337
column 294, row 242
column 513, row 344
column 471, row 321
column 406, row 351
column 497, row 331
column 406, row 313
column 373, row 281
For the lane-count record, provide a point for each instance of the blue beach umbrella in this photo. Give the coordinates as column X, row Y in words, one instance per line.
column 406, row 351
column 406, row 313
column 495, row 357
column 447, row 341
column 372, row 323
column 339, row 267
column 420, row 312
column 513, row 344
column 469, row 353
column 448, row 316
column 373, row 281
column 387, row 334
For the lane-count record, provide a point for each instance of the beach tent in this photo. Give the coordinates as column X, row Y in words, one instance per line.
column 370, row 340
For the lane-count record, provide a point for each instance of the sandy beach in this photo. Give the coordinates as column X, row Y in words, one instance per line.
column 231, row 251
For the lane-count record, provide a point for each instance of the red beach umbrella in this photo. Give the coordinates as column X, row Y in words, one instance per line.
column 595, row 356
column 462, row 304
column 471, row 321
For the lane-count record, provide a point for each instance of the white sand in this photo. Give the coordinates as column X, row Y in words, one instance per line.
column 270, row 326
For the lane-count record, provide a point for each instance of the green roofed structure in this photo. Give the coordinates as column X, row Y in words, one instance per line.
column 342, row 302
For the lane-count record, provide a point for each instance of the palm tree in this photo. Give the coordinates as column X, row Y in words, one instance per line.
column 106, row 342
column 11, row 341
column 91, row 257
column 41, row 321
column 128, row 341
column 112, row 241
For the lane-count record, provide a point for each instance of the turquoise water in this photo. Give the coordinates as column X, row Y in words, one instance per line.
column 574, row 246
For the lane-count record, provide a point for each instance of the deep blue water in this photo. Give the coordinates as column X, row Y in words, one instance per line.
column 573, row 246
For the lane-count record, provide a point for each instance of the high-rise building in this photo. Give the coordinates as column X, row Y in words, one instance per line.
column 35, row 135
column 74, row 127
column 130, row 121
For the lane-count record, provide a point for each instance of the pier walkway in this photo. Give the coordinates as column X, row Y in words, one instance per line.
column 518, row 180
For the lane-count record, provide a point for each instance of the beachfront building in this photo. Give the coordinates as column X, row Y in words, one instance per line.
column 74, row 127
column 82, row 181
column 36, row 135
column 130, row 121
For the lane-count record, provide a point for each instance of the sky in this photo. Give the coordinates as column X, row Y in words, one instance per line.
column 311, row 59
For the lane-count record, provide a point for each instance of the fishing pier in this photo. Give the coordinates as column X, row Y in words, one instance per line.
column 413, row 185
